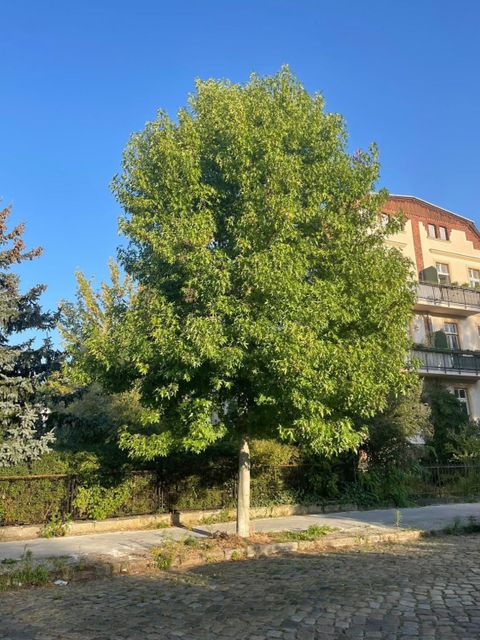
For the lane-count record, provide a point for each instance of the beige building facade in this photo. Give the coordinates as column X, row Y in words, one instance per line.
column 445, row 251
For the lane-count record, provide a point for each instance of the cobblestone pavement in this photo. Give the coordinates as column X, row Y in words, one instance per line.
column 425, row 590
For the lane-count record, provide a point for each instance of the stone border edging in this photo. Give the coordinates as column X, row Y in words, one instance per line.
column 107, row 566
column 185, row 518
column 150, row 521
column 100, row 566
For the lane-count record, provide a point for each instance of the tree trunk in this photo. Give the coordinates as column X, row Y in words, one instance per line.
column 243, row 500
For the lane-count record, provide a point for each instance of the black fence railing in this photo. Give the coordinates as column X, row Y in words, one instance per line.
column 34, row 499
column 448, row 295
column 447, row 361
column 457, row 481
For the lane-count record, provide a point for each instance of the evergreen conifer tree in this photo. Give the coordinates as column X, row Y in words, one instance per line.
column 24, row 363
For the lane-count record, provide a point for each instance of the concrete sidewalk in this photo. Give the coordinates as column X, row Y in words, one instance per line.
column 128, row 544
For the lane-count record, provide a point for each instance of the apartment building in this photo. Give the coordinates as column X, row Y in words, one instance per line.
column 445, row 249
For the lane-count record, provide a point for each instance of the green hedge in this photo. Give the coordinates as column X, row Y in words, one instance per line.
column 32, row 501
column 98, row 498
column 279, row 476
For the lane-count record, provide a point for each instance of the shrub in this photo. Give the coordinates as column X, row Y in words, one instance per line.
column 464, row 444
column 269, row 453
column 380, row 488
column 200, row 492
column 56, row 526
column 52, row 462
column 36, row 500
column 390, row 432
column 31, row 501
column 448, row 417
column 135, row 494
column 165, row 554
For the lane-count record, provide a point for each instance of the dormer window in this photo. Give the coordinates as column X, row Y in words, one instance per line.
column 443, row 233
column 439, row 233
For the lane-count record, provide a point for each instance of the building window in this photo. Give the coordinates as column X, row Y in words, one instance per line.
column 443, row 273
column 384, row 219
column 442, row 233
column 432, row 231
column 462, row 396
column 451, row 333
column 474, row 277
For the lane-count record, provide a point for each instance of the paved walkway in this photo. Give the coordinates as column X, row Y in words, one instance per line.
column 131, row 543
column 429, row 590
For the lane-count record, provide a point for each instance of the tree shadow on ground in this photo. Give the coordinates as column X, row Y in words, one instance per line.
column 426, row 589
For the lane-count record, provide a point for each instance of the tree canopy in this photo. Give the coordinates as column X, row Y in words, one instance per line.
column 260, row 297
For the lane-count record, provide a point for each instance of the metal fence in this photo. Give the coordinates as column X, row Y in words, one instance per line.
column 449, row 295
column 446, row 481
column 34, row 499
column 443, row 361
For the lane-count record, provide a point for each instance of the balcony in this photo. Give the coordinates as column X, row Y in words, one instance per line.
column 434, row 297
column 443, row 362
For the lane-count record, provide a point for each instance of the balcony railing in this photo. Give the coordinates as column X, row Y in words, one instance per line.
column 448, row 295
column 464, row 363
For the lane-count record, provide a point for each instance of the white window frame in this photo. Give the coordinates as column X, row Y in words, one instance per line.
column 443, row 233
column 451, row 332
column 458, row 391
column 443, row 273
column 473, row 279
column 431, row 230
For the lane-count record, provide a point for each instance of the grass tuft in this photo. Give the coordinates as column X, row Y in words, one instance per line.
column 25, row 574
column 314, row 532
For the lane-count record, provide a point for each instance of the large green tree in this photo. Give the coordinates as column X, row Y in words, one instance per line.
column 261, row 299
column 24, row 361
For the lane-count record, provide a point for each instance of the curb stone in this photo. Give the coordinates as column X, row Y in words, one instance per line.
column 102, row 566
column 182, row 517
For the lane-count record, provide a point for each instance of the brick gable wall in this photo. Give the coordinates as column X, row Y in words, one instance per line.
column 420, row 212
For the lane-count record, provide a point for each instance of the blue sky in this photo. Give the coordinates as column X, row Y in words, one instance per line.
column 78, row 77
